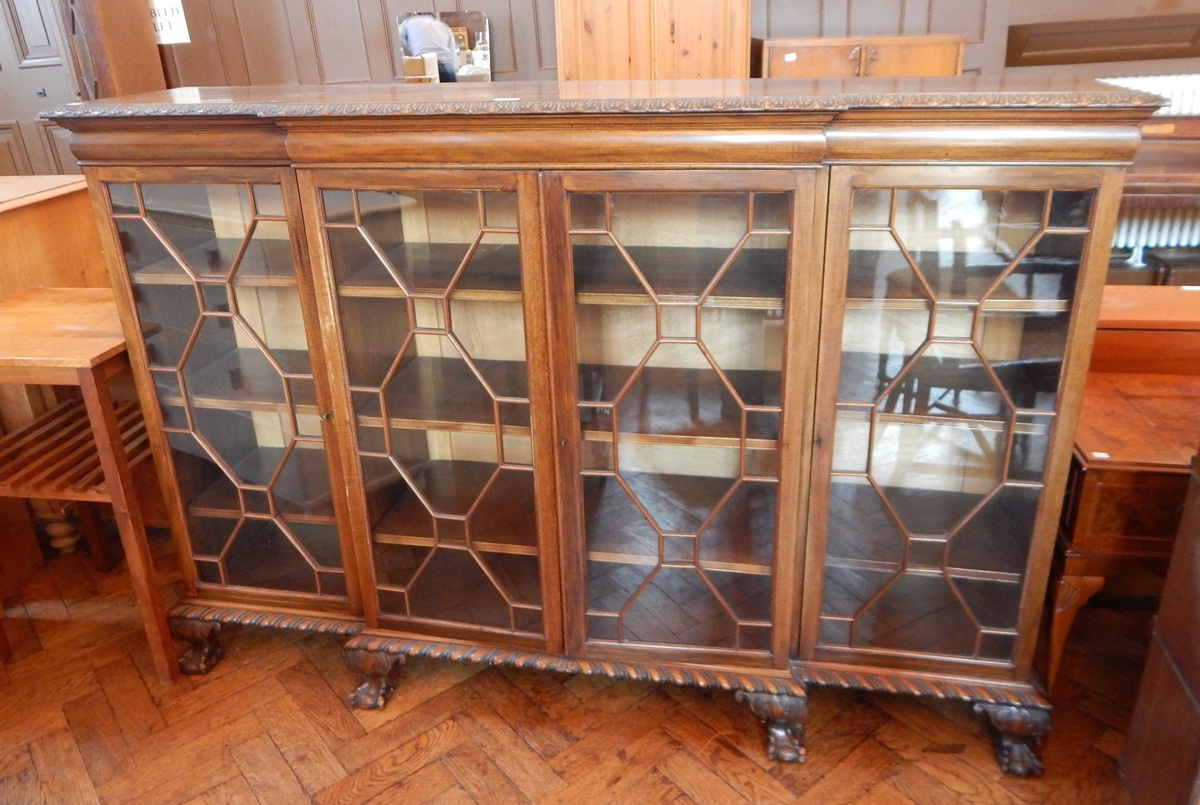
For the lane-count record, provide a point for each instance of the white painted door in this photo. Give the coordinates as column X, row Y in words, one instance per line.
column 34, row 75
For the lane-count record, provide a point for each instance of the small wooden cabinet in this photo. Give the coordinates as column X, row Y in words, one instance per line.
column 739, row 390
column 876, row 57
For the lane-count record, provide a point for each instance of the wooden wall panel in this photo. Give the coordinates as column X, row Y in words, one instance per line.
column 339, row 37
column 205, row 61
column 878, row 17
column 379, row 39
column 13, row 158
column 543, row 42
column 31, row 29
column 56, row 142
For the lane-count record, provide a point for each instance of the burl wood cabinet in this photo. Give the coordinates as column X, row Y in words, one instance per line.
column 695, row 384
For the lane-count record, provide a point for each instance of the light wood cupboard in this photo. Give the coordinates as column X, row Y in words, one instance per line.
column 875, row 57
column 617, row 40
column 702, row 384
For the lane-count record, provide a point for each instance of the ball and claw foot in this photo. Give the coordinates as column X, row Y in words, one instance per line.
column 1017, row 735
column 783, row 715
column 204, row 644
column 378, row 671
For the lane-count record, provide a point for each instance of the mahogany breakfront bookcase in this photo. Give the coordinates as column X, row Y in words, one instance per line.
column 750, row 385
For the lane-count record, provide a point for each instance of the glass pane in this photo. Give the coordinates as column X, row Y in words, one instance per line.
column 679, row 333
column 432, row 318
column 215, row 293
column 958, row 306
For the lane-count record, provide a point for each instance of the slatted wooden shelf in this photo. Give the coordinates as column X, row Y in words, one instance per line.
column 55, row 456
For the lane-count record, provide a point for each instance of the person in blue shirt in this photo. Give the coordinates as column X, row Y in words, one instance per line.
column 422, row 33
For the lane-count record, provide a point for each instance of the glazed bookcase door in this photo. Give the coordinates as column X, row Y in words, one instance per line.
column 213, row 281
column 953, row 294
column 679, row 299
column 429, row 298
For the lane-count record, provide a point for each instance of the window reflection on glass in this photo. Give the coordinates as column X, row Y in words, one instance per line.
column 958, row 303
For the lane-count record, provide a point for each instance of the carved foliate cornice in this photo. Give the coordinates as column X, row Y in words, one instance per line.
column 639, row 672
column 545, row 98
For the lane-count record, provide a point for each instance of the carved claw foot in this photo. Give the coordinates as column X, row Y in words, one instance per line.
column 379, row 670
column 1017, row 736
column 783, row 715
column 205, row 647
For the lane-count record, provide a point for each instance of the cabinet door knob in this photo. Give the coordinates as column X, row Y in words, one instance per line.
column 328, row 415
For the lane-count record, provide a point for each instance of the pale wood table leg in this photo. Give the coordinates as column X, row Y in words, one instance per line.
column 1072, row 593
column 119, row 480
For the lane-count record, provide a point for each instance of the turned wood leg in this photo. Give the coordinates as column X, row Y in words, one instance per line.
column 1072, row 593
column 378, row 671
column 783, row 716
column 1017, row 735
column 204, row 647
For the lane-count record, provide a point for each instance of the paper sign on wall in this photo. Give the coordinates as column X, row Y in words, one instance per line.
column 170, row 26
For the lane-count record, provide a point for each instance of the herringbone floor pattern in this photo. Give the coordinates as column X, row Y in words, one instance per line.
column 82, row 720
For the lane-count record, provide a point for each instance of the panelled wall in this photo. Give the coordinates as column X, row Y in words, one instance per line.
column 347, row 41
column 341, row 41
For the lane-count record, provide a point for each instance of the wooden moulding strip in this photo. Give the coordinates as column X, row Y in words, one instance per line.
column 681, row 674
column 642, row 141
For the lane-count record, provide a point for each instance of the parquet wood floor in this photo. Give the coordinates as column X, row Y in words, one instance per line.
column 82, row 720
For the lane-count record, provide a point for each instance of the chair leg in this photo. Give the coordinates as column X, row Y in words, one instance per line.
column 92, row 528
column 1072, row 593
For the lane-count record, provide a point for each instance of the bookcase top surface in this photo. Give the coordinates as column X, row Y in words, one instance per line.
column 818, row 96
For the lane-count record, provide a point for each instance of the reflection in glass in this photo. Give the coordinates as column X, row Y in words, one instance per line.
column 957, row 311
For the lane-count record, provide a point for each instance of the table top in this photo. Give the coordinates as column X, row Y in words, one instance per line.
column 1149, row 307
column 1152, row 421
column 20, row 191
column 59, row 328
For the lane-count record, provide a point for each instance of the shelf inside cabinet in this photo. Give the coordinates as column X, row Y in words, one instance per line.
column 679, row 405
column 885, row 279
column 444, row 394
column 243, row 379
column 493, row 272
column 301, row 493
column 679, row 274
column 502, row 520
column 267, row 262
column 679, row 505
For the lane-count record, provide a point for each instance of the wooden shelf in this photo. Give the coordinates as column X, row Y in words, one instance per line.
column 963, row 286
column 259, row 387
column 267, row 262
column 302, row 495
column 54, row 456
column 444, row 394
column 619, row 533
column 493, row 272
column 679, row 274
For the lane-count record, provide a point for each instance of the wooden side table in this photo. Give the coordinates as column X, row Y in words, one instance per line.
column 1129, row 476
column 81, row 450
